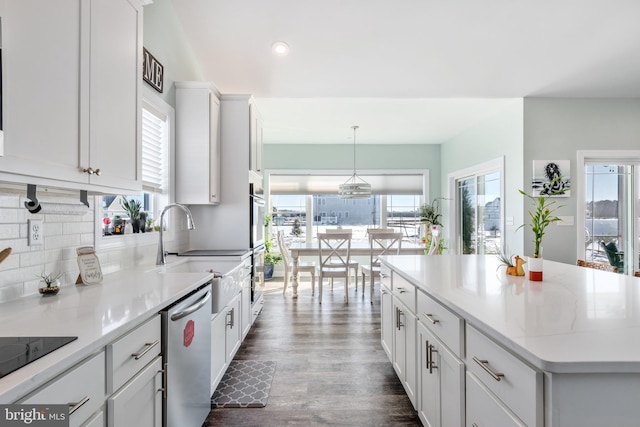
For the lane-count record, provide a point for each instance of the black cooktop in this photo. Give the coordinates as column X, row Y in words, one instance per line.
column 16, row 352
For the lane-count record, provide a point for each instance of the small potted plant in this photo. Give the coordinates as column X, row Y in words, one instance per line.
column 542, row 215
column 133, row 207
column 50, row 282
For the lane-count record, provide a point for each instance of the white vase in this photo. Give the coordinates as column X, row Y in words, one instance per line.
column 534, row 265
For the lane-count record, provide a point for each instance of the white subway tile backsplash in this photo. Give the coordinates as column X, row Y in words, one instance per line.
column 63, row 234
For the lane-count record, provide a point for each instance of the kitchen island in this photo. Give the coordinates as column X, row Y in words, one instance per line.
column 575, row 335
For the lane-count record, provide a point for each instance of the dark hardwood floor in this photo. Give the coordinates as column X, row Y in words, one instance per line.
column 331, row 368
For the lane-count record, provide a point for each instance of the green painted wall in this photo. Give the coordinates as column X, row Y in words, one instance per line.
column 554, row 129
column 340, row 157
column 164, row 38
column 499, row 136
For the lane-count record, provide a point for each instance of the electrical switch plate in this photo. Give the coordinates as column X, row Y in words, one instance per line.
column 35, row 232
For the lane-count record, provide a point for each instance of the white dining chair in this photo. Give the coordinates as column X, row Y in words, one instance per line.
column 303, row 266
column 334, row 255
column 380, row 243
column 353, row 265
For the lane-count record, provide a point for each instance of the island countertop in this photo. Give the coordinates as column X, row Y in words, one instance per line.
column 576, row 320
column 96, row 314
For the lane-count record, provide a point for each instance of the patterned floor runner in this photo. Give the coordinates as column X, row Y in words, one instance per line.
column 246, row 384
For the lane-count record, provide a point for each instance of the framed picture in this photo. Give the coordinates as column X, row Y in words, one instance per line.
column 551, row 177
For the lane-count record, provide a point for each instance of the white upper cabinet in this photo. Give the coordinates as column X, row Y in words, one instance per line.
column 72, row 81
column 255, row 126
column 197, row 144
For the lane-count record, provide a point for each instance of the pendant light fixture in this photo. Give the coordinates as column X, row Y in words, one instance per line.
column 355, row 187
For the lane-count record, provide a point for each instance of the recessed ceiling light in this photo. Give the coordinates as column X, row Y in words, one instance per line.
column 280, row 48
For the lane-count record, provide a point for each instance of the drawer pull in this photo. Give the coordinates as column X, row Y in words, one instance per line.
column 402, row 290
column 484, row 365
column 74, row 406
column 147, row 346
column 163, row 389
column 474, row 425
column 430, row 319
column 432, row 364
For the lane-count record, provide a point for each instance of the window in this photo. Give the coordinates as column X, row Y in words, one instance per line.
column 478, row 212
column 611, row 215
column 156, row 126
column 290, row 213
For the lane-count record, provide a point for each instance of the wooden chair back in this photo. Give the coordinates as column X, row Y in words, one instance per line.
column 597, row 265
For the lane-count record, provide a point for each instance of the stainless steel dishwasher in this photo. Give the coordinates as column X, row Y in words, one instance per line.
column 186, row 338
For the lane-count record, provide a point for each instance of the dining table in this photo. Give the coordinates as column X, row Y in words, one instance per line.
column 358, row 248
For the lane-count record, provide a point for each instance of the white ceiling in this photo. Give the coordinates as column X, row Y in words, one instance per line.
column 409, row 71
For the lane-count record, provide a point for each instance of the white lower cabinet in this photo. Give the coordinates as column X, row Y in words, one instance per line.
column 233, row 334
column 484, row 409
column 404, row 348
column 218, row 348
column 83, row 388
column 441, row 382
column 139, row 402
column 97, row 420
column 386, row 318
column 246, row 314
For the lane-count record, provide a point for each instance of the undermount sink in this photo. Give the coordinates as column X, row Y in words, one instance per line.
column 225, row 284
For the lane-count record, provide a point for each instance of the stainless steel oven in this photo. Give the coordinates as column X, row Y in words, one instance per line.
column 258, row 210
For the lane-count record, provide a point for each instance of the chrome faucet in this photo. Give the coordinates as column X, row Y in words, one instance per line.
column 161, row 257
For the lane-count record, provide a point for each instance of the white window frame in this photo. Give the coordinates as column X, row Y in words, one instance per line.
column 453, row 232
column 141, row 239
column 309, row 198
column 584, row 156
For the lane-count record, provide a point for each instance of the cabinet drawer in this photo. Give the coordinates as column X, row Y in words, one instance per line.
column 484, row 410
column 83, row 388
column 132, row 352
column 404, row 291
column 385, row 275
column 443, row 323
column 511, row 380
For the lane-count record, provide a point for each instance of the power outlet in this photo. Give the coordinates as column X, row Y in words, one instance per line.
column 35, row 236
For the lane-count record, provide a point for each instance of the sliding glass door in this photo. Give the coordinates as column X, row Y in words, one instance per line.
column 611, row 212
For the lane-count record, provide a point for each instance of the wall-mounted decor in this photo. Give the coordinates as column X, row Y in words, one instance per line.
column 551, row 177
column 152, row 70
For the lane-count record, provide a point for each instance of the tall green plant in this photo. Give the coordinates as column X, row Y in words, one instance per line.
column 542, row 215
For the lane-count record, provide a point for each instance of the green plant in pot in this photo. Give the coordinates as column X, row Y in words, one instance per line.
column 542, row 215
column 133, row 208
column 270, row 258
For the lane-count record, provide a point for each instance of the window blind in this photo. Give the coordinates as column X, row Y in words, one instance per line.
column 155, row 146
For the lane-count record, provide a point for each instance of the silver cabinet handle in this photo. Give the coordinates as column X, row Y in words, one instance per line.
column 430, row 318
column 432, row 364
column 164, row 381
column 402, row 290
column 74, row 406
column 192, row 308
column 91, row 171
column 474, row 425
column 231, row 318
column 426, row 354
column 147, row 346
column 484, row 364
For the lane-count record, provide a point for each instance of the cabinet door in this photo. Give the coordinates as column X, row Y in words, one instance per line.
column 234, row 329
column 404, row 349
column 111, row 112
column 41, row 106
column 387, row 321
column 139, row 402
column 197, row 144
column 246, row 307
column 484, row 409
column 441, row 376
column 218, row 349
column 255, row 139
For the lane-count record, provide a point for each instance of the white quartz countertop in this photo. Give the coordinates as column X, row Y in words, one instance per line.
column 96, row 314
column 576, row 320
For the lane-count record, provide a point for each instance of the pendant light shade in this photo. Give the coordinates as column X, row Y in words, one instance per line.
column 355, row 187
